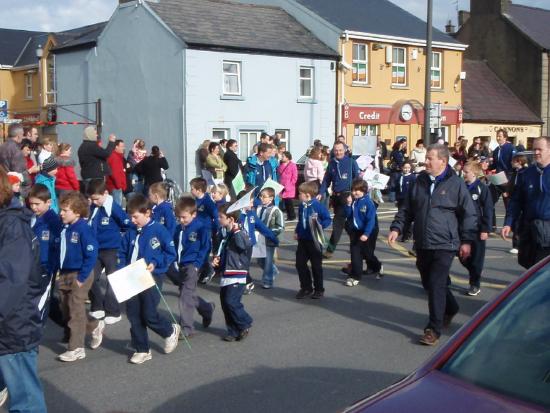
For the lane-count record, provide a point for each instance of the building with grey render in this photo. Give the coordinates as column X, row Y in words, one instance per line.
column 177, row 72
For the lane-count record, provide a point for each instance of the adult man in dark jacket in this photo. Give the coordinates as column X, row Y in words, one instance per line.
column 11, row 157
column 531, row 201
column 92, row 157
column 23, row 296
column 234, row 165
column 445, row 222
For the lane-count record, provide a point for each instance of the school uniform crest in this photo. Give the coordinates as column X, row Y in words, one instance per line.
column 45, row 236
column 155, row 243
column 475, row 197
column 105, row 221
column 161, row 221
column 363, row 209
column 75, row 237
column 252, row 220
column 89, row 248
column 344, row 175
column 193, row 236
column 201, row 208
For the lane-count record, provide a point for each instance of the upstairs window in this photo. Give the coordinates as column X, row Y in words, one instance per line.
column 306, row 82
column 360, row 63
column 399, row 66
column 232, row 78
column 436, row 70
column 28, row 85
column 51, row 92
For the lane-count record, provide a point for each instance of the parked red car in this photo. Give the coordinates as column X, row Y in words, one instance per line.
column 498, row 362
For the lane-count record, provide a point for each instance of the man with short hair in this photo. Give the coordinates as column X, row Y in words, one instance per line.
column 258, row 167
column 11, row 156
column 341, row 171
column 445, row 223
column 116, row 182
column 92, row 157
column 530, row 203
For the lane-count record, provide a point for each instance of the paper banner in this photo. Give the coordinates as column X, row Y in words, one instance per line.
column 270, row 183
column 498, row 179
column 365, row 145
column 242, row 203
column 238, row 183
column 131, row 280
column 376, row 180
column 364, row 161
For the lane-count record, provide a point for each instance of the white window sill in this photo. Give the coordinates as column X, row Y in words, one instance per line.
column 359, row 84
column 404, row 87
column 311, row 101
column 231, row 97
column 438, row 90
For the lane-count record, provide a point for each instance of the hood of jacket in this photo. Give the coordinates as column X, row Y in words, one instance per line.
column 64, row 161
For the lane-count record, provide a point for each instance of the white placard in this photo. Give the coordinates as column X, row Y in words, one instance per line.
column 365, row 145
column 277, row 187
column 243, row 202
column 131, row 280
column 364, row 161
column 452, row 162
column 376, row 180
column 259, row 249
column 498, row 179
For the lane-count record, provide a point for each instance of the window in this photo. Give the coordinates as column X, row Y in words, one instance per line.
column 399, row 66
column 366, row 130
column 436, row 70
column 306, row 82
column 360, row 62
column 28, row 85
column 219, row 134
column 285, row 137
column 247, row 140
column 232, row 78
column 51, row 92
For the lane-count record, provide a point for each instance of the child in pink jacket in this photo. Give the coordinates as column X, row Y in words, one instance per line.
column 288, row 176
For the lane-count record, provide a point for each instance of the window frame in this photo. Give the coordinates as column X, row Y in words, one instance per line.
column 403, row 65
column 51, row 81
column 437, row 69
column 248, row 149
column 28, row 86
column 356, row 62
column 226, row 133
column 369, row 127
column 238, row 75
column 311, row 79
column 286, row 137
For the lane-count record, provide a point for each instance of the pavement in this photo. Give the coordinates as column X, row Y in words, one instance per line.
column 301, row 355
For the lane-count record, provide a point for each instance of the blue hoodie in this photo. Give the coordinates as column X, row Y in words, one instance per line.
column 163, row 213
column 81, row 249
column 251, row 223
column 340, row 173
column 108, row 221
column 257, row 174
column 192, row 242
column 306, row 210
column 47, row 228
column 361, row 215
column 207, row 212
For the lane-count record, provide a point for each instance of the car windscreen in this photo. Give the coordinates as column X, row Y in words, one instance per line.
column 510, row 351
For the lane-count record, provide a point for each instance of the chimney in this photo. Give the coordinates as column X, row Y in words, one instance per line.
column 478, row 7
column 450, row 27
column 463, row 17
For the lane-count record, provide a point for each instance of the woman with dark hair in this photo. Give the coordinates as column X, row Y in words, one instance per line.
column 477, row 149
column 32, row 168
column 214, row 162
column 459, row 152
column 234, row 165
column 151, row 168
column 135, row 156
column 397, row 159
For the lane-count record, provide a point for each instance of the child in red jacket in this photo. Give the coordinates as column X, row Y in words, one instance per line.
column 65, row 179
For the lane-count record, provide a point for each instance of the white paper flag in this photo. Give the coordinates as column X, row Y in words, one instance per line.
column 364, row 161
column 242, row 203
column 376, row 180
column 498, row 179
column 277, row 187
column 131, row 280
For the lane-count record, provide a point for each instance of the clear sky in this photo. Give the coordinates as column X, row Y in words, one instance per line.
column 57, row 15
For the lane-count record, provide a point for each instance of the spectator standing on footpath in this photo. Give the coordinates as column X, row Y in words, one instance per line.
column 531, row 201
column 21, row 316
column 341, row 172
column 92, row 157
column 135, row 156
column 11, row 157
column 66, row 179
column 258, row 167
column 234, row 166
column 418, row 156
column 151, row 168
column 445, row 222
column 214, row 161
column 288, row 176
column 116, row 182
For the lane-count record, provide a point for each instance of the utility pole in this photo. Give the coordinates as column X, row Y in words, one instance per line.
column 428, row 90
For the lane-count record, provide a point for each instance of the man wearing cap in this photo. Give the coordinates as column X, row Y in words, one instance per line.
column 92, row 157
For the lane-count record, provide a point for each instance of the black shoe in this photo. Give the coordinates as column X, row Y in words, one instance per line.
column 243, row 334
column 229, row 338
column 206, row 321
column 473, row 291
column 303, row 294
column 317, row 295
column 448, row 319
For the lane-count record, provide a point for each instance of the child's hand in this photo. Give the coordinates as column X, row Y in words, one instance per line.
column 364, row 238
column 295, row 236
column 484, row 236
column 151, row 267
column 79, row 284
column 216, row 261
column 349, row 200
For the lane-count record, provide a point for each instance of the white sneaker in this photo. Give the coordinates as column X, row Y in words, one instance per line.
column 72, row 355
column 351, row 282
column 170, row 343
column 98, row 315
column 3, row 396
column 97, row 335
column 514, row 251
column 380, row 273
column 139, row 358
column 112, row 320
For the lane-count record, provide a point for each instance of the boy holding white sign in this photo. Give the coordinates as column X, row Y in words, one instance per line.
column 152, row 242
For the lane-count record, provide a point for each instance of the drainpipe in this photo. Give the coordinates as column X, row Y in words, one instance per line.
column 342, row 83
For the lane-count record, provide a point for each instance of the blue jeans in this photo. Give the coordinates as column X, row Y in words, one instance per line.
column 19, row 374
column 236, row 317
column 117, row 196
column 270, row 270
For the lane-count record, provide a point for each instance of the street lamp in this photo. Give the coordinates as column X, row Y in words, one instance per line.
column 39, row 54
column 428, row 90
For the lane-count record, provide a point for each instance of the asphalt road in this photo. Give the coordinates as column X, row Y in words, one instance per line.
column 301, row 355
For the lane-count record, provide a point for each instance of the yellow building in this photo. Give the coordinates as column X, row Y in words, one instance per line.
column 382, row 83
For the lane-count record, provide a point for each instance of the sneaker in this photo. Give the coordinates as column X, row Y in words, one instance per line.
column 327, row 254
column 208, row 278
column 351, row 282
column 267, row 287
column 303, row 294
column 380, row 273
column 3, row 396
column 97, row 335
column 140, row 358
column 98, row 315
column 229, row 338
column 317, row 295
column 514, row 251
column 112, row 320
column 206, row 321
column 346, row 270
column 249, row 288
column 243, row 334
column 170, row 343
column 73, row 355
column 473, row 291
column 429, row 338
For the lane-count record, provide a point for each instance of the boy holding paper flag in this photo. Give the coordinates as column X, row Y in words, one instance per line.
column 152, row 242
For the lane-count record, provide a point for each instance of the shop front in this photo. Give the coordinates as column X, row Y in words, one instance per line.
column 404, row 118
column 517, row 134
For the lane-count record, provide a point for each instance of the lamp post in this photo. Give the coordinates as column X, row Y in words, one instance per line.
column 39, row 54
column 428, row 90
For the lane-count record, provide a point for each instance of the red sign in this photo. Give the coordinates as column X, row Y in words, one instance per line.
column 27, row 117
column 360, row 115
